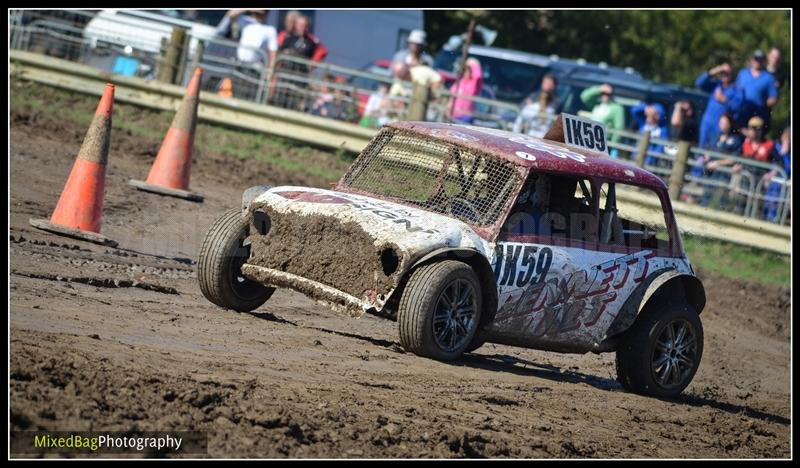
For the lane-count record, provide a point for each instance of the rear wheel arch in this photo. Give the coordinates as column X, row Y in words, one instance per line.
column 661, row 287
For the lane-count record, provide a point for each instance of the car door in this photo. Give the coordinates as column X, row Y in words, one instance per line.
column 558, row 287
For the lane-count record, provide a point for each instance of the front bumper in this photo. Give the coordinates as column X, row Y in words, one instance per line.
column 336, row 299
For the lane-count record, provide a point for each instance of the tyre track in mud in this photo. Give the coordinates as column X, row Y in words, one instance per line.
column 295, row 379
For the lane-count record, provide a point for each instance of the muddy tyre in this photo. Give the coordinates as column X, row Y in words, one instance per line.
column 219, row 266
column 440, row 310
column 661, row 352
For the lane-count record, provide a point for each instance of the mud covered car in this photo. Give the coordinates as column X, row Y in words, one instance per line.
column 467, row 235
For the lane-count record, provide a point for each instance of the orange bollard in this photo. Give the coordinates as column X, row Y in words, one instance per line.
column 79, row 210
column 170, row 172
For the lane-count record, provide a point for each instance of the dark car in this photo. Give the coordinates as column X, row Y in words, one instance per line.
column 513, row 75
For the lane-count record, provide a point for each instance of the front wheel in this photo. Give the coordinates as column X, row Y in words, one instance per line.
column 440, row 310
column 661, row 352
column 219, row 266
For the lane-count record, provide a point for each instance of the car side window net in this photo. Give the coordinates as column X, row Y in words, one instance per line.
column 632, row 217
column 434, row 175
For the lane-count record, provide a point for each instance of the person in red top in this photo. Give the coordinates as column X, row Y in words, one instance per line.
column 755, row 145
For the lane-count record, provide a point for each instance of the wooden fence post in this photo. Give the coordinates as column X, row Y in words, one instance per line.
column 418, row 108
column 171, row 60
column 678, row 170
column 641, row 148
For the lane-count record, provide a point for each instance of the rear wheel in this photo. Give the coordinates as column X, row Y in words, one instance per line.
column 440, row 309
column 219, row 266
column 661, row 352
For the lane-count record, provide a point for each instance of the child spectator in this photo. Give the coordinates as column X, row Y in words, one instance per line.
column 725, row 97
column 375, row 111
column 649, row 118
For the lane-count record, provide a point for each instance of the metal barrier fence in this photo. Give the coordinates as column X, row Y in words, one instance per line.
column 169, row 54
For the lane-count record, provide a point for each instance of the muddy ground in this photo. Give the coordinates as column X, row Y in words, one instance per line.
column 122, row 339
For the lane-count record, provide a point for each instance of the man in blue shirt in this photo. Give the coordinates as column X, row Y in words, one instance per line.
column 758, row 86
column 725, row 97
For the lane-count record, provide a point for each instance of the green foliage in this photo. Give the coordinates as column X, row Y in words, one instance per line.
column 673, row 46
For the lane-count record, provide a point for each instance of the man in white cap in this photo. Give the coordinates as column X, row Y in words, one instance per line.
column 416, row 48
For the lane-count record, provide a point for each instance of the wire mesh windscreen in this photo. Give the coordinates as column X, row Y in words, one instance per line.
column 435, row 175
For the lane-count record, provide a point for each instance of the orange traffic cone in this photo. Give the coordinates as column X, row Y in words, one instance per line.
column 79, row 210
column 170, row 172
column 226, row 88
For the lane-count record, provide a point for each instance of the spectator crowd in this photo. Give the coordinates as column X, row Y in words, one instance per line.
column 736, row 120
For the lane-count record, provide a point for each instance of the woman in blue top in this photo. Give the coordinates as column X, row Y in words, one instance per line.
column 725, row 97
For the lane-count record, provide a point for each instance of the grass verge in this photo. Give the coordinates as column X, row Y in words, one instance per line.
column 739, row 262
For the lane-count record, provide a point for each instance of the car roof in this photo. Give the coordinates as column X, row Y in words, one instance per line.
column 629, row 82
column 526, row 151
column 511, row 55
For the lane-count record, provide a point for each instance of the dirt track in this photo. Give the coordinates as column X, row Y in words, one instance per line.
column 294, row 379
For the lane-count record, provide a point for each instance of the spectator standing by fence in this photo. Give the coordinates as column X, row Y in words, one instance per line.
column 422, row 74
column 400, row 91
column 729, row 140
column 416, row 41
column 302, row 44
column 299, row 41
column 468, row 86
column 725, row 97
column 288, row 25
column 683, row 124
column 600, row 99
column 537, row 117
column 252, row 33
column 774, row 67
column 649, row 118
column 758, row 87
column 549, row 85
column 758, row 148
column 783, row 159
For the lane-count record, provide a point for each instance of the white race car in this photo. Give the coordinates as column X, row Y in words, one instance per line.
column 466, row 235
